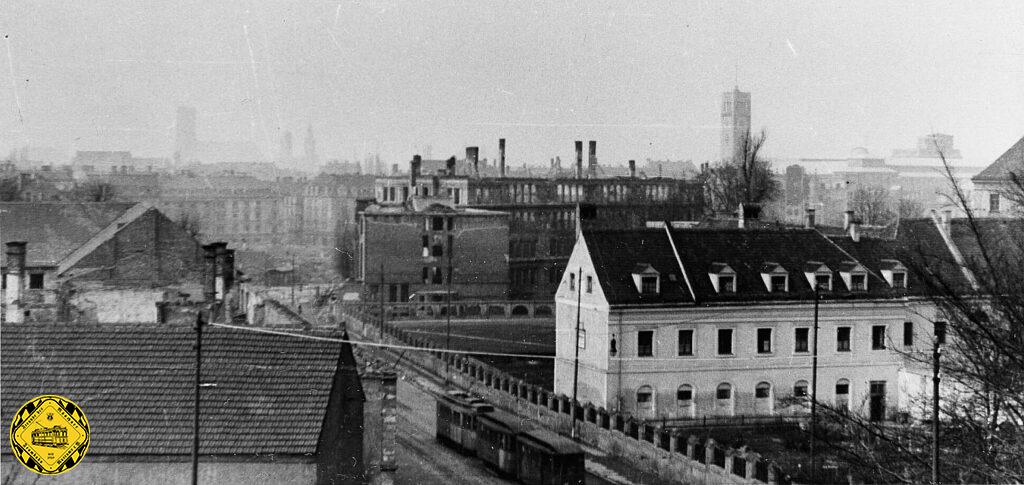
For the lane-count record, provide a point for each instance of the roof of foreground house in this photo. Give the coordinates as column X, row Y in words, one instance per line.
column 266, row 393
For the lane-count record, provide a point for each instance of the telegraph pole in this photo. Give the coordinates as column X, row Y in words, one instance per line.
column 381, row 301
column 576, row 361
column 814, row 376
column 940, row 338
column 209, row 292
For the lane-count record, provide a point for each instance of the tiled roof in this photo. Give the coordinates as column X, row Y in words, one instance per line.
column 54, row 230
column 103, row 236
column 267, row 394
column 616, row 253
column 923, row 250
column 1010, row 161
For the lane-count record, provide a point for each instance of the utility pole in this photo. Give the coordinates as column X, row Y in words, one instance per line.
column 209, row 292
column 293, row 282
column 576, row 361
column 940, row 338
column 448, row 312
column 381, row 291
column 814, row 377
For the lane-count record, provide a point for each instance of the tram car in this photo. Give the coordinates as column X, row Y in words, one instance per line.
column 515, row 447
column 497, row 440
column 547, row 458
column 55, row 437
column 456, row 420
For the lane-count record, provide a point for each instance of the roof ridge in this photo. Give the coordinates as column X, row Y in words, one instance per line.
column 127, row 217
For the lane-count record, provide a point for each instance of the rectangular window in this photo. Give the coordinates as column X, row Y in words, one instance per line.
column 726, row 284
column 823, row 281
column 437, row 251
column 940, row 332
column 764, row 340
column 590, row 284
column 405, row 193
column 842, row 388
column 800, row 338
column 438, row 278
column 456, row 196
column 993, row 202
column 649, row 285
column 426, row 274
column 572, row 281
column 725, row 341
column 843, row 339
column 685, row 342
column 35, row 281
column 778, row 284
column 899, row 280
column 908, row 334
column 645, row 343
column 878, row 337
column 858, row 282
column 437, row 223
column 451, row 223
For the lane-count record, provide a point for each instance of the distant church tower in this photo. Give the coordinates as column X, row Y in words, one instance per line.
column 310, row 148
column 185, row 142
column 284, row 151
column 735, row 122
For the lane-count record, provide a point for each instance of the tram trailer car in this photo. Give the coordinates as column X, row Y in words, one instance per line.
column 497, row 440
column 456, row 420
column 546, row 458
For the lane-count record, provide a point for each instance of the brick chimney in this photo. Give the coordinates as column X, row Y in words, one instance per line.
column 854, row 229
column 414, row 172
column 473, row 159
column 220, row 255
column 501, row 156
column 748, row 212
column 592, row 159
column 847, row 219
column 209, row 272
column 579, row 159
column 809, row 222
column 632, row 169
column 229, row 269
column 15, row 282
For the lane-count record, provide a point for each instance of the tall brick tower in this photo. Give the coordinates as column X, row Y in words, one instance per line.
column 735, row 122
column 185, row 141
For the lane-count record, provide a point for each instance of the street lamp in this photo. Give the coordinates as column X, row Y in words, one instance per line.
column 814, row 374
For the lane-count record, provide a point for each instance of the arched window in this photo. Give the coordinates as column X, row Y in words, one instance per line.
column 800, row 389
column 684, row 399
column 723, row 399
column 802, row 403
column 843, row 394
column 763, row 401
column 645, row 398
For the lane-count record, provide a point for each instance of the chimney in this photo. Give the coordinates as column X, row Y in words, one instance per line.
column 501, row 156
column 579, row 159
column 229, row 270
column 414, row 172
column 748, row 212
column 855, row 230
column 632, row 169
column 847, row 218
column 209, row 272
column 394, row 168
column 15, row 281
column 809, row 223
column 592, row 159
column 473, row 159
column 947, row 220
column 220, row 266
column 450, row 164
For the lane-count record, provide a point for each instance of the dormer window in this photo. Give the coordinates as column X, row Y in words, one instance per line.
column 775, row 277
column 647, row 279
column 894, row 273
column 818, row 275
column 854, row 275
column 723, row 278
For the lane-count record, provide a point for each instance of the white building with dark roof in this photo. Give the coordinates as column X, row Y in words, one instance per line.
column 685, row 323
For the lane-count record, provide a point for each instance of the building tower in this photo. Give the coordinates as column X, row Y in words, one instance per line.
column 284, row 151
column 185, row 142
column 735, row 122
column 309, row 145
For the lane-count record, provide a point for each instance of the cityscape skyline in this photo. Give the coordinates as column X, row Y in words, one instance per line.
column 644, row 85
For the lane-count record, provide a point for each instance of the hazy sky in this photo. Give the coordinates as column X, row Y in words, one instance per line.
column 644, row 79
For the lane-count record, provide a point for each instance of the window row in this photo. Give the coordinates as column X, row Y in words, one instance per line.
column 764, row 342
column 685, row 394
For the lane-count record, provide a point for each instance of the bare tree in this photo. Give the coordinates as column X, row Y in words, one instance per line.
column 745, row 179
column 873, row 204
column 978, row 293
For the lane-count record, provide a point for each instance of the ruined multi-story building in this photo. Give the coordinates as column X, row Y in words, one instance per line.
column 544, row 212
